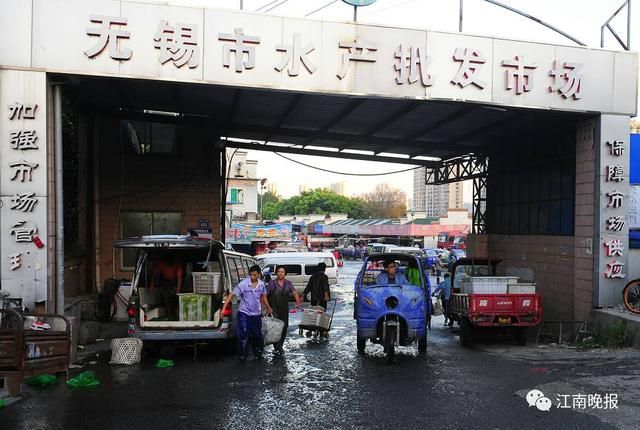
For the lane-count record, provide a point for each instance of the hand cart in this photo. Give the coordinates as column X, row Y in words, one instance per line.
column 316, row 321
column 27, row 352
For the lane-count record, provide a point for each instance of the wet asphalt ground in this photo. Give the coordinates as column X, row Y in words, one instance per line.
column 328, row 385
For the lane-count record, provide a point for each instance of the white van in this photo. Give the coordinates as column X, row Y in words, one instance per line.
column 300, row 266
column 381, row 247
column 209, row 270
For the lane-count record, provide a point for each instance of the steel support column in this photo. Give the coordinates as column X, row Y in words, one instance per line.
column 479, row 211
column 458, row 169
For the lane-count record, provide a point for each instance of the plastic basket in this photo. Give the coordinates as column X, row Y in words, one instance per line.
column 126, row 350
column 207, row 282
column 315, row 316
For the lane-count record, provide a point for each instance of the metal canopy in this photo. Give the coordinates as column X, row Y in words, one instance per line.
column 403, row 131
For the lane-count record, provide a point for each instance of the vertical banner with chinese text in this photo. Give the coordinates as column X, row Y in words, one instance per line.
column 613, row 208
column 23, row 185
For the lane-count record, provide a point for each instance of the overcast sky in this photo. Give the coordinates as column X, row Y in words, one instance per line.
column 579, row 18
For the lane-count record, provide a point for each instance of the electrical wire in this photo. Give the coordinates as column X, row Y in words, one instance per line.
column 278, row 5
column 320, row 8
column 388, row 7
column 347, row 174
column 266, row 5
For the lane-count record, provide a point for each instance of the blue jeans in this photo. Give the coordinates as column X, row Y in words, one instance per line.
column 250, row 327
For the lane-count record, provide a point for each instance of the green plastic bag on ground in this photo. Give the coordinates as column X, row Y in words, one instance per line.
column 163, row 364
column 41, row 381
column 2, row 403
column 85, row 379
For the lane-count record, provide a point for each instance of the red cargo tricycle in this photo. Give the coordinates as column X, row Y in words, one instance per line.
column 493, row 308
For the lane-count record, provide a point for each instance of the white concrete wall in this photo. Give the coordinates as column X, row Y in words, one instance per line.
column 23, row 109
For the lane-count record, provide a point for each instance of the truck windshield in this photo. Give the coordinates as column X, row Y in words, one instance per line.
column 464, row 272
column 407, row 272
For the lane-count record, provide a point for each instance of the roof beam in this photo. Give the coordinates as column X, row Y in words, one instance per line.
column 292, row 105
column 350, row 107
column 459, row 113
column 319, row 153
column 393, row 118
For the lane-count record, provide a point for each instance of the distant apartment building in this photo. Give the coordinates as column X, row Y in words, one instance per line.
column 419, row 189
column 455, row 195
column 272, row 188
column 242, row 186
column 338, row 188
column 435, row 200
column 304, row 187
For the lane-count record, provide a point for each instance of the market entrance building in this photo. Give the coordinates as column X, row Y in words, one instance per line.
column 115, row 117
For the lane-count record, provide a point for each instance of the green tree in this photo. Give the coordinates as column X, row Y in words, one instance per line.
column 386, row 202
column 270, row 201
column 270, row 210
column 322, row 201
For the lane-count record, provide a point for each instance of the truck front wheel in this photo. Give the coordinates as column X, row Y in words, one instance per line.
column 521, row 336
column 466, row 332
column 422, row 344
column 361, row 344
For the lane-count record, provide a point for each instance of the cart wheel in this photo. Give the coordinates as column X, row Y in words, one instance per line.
column 361, row 343
column 631, row 296
column 390, row 346
column 521, row 336
column 466, row 332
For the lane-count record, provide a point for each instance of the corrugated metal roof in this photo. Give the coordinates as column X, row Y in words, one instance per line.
column 415, row 128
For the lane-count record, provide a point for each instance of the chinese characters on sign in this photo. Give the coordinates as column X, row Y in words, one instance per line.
column 24, row 231
column 295, row 55
column 239, row 49
column 614, row 200
column 567, row 80
column 410, row 64
column 24, row 202
column 471, row 62
column 357, row 51
column 522, row 77
column 178, row 43
column 23, row 139
column 108, row 36
column 22, row 172
column 21, row 111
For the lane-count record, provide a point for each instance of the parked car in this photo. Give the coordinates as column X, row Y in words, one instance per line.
column 282, row 250
column 300, row 266
column 210, row 272
column 431, row 258
column 336, row 254
column 416, row 252
column 379, row 247
column 443, row 254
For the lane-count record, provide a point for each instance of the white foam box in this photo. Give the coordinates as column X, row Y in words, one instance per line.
column 489, row 284
column 121, row 312
column 523, row 288
column 152, row 314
